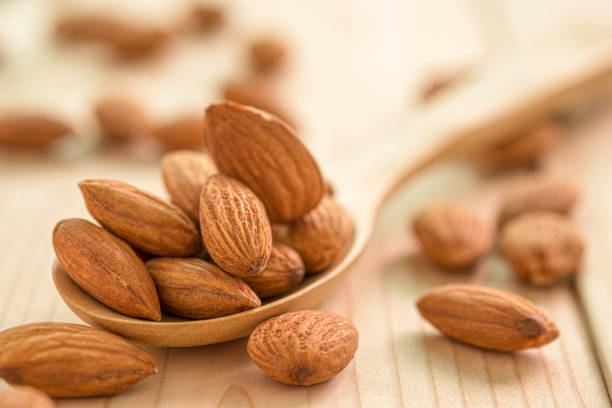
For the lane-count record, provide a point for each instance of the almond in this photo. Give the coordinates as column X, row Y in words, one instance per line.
column 488, row 318
column 30, row 132
column 263, row 152
column 267, row 54
column 105, row 267
column 452, row 235
column 303, row 348
column 539, row 194
column 523, row 148
column 235, row 228
column 196, row 289
column 122, row 119
column 71, row 360
column 89, row 28
column 207, row 17
column 24, row 397
column 322, row 236
column 133, row 43
column 144, row 220
column 542, row 247
column 185, row 173
column 284, row 272
column 186, row 132
column 258, row 93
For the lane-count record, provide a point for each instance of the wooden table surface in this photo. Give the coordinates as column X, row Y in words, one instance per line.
column 342, row 93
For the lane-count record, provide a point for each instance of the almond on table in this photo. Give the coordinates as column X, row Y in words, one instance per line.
column 106, row 267
column 316, row 346
column 196, row 289
column 31, row 132
column 267, row 54
column 183, row 133
column 122, row 119
column 144, row 220
column 488, row 318
column 543, row 247
column 235, row 228
column 452, row 235
column 69, row 360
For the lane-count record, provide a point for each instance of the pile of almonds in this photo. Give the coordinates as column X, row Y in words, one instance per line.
column 211, row 252
column 538, row 240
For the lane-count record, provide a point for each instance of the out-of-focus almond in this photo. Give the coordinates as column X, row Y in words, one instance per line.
column 30, row 132
column 144, row 220
column 322, row 235
column 22, row 396
column 122, row 119
column 196, row 289
column 105, row 267
column 235, row 228
column 285, row 270
column 487, row 318
column 267, row 54
column 542, row 247
column 207, row 17
column 452, row 235
column 539, row 194
column 185, row 173
column 258, row 93
column 89, row 28
column 263, row 152
column 133, row 43
column 71, row 360
column 184, row 133
column 305, row 347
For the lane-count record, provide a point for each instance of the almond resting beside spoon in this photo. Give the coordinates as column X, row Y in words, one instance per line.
column 496, row 101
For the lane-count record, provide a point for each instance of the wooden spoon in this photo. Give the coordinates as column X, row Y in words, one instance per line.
column 501, row 98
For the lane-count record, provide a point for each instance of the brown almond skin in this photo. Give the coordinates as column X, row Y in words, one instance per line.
column 263, row 152
column 257, row 93
column 138, row 43
column 322, row 236
column 196, row 289
column 284, row 272
column 305, row 347
column 207, row 18
column 121, row 119
column 106, row 267
column 452, row 235
column 24, row 397
column 543, row 248
column 539, row 194
column 70, row 360
column 144, row 220
column 30, row 132
column 185, row 173
column 488, row 318
column 521, row 149
column 267, row 55
column 183, row 133
column 235, row 228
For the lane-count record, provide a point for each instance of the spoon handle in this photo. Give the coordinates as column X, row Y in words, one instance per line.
column 496, row 100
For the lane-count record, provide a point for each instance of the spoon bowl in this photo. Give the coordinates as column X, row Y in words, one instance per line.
column 496, row 101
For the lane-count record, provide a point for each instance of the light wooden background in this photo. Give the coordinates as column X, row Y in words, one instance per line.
column 356, row 66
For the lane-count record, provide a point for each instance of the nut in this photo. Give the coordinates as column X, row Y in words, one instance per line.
column 284, row 272
column 105, row 267
column 184, row 133
column 71, row 360
column 542, row 247
column 253, row 146
column 235, row 227
column 267, row 54
column 122, row 119
column 207, row 17
column 257, row 93
column 136, row 43
column 185, row 173
column 539, row 194
column 303, row 348
column 196, row 289
column 322, row 236
column 141, row 218
column 30, row 132
column 451, row 235
column 521, row 149
column 89, row 28
column 488, row 318
column 24, row 397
